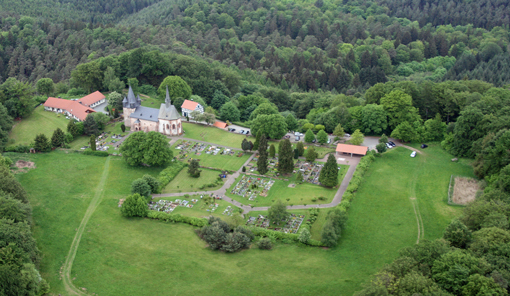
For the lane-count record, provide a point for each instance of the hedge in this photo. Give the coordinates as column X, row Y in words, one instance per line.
column 96, row 153
column 356, row 180
column 176, row 218
column 168, row 174
column 258, row 231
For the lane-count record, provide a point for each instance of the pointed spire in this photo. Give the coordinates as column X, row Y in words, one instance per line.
column 168, row 102
column 131, row 95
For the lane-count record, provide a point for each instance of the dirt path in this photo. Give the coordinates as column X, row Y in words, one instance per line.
column 414, row 203
column 96, row 200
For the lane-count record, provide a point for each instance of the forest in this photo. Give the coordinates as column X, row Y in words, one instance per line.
column 418, row 71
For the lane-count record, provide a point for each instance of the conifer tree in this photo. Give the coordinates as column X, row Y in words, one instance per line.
column 262, row 161
column 285, row 157
column 329, row 173
column 41, row 143
column 93, row 142
column 58, row 138
column 193, row 169
column 257, row 140
column 272, row 151
column 301, row 148
column 311, row 155
column 72, row 128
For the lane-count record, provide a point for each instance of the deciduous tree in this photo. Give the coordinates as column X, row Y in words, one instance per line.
column 277, row 212
column 193, row 168
column 134, row 206
column 273, row 126
column 322, row 137
column 309, row 136
column 177, row 87
column 357, row 138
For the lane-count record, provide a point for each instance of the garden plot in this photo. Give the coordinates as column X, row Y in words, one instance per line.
column 169, row 206
column 292, row 223
column 251, row 187
column 310, row 171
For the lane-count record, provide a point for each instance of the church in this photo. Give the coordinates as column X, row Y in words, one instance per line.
column 165, row 120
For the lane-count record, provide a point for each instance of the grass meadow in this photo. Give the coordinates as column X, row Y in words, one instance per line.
column 38, row 122
column 121, row 256
column 184, row 183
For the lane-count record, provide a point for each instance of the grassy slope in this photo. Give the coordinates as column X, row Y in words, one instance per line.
column 184, row 183
column 39, row 121
column 224, row 162
column 119, row 256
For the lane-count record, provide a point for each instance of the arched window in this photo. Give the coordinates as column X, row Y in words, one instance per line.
column 167, row 126
column 173, row 126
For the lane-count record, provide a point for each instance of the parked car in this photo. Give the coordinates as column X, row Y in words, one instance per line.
column 413, row 154
column 347, row 135
column 286, row 137
column 314, row 140
column 329, row 140
column 232, row 129
column 241, row 131
column 388, row 145
column 298, row 138
column 424, row 146
column 392, row 144
column 296, row 134
column 246, row 132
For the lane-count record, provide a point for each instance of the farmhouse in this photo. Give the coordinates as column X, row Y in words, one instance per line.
column 70, row 108
column 165, row 120
column 190, row 106
column 94, row 99
column 351, row 149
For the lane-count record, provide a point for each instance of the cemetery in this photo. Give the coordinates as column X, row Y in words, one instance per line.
column 250, row 187
column 290, row 225
column 210, row 155
column 272, row 166
column 183, row 182
column 198, row 205
column 310, row 171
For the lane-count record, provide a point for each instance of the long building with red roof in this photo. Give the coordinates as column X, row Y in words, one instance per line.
column 70, row 108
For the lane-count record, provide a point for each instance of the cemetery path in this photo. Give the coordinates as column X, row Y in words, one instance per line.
column 351, row 161
column 96, row 200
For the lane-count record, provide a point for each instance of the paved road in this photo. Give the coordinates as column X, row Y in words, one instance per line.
column 348, row 160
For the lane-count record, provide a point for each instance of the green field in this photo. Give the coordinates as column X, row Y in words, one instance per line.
column 38, row 122
column 184, row 183
column 219, row 161
column 120, row 256
column 213, row 135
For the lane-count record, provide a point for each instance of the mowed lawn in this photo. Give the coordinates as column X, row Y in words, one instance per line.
column 213, row 135
column 38, row 122
column 183, row 182
column 120, row 256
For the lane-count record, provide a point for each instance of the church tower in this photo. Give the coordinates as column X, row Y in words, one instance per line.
column 129, row 104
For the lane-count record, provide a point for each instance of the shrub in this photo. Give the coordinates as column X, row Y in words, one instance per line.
column 134, row 206
column 322, row 198
column 141, row 187
column 265, row 244
column 152, row 182
column 96, row 153
column 314, row 199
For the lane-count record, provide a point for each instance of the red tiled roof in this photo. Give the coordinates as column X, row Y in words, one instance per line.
column 92, row 98
column 352, row 149
column 220, row 124
column 72, row 107
column 190, row 105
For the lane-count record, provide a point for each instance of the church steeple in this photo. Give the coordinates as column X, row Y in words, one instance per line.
column 168, row 101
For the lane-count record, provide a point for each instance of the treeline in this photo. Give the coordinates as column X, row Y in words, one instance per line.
column 479, row 13
column 76, row 12
column 296, row 46
column 19, row 254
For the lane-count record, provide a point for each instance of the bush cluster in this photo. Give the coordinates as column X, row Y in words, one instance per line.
column 96, row 153
column 220, row 236
column 263, row 232
column 18, row 148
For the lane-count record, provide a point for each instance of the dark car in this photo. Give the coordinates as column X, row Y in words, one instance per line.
column 232, row 129
column 298, row 138
column 246, row 132
column 424, row 146
column 392, row 144
column 314, row 140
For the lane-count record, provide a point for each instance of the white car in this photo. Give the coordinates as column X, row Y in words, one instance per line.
column 388, row 145
column 413, row 154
